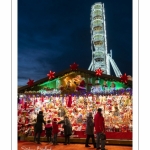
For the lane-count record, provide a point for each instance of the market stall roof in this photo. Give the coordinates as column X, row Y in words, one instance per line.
column 79, row 70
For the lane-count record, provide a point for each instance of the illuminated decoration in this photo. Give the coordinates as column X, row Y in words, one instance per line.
column 129, row 77
column 51, row 75
column 81, row 86
column 50, row 84
column 42, row 99
column 58, row 83
column 68, row 82
column 108, row 87
column 105, row 90
column 124, row 78
column 74, row 66
column 30, row 82
column 79, row 81
column 74, row 83
column 99, row 72
column 54, row 91
column 96, row 89
column 69, row 101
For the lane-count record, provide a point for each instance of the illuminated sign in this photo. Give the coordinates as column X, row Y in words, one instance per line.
column 99, row 89
column 54, row 91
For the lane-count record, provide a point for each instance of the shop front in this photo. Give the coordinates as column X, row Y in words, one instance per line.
column 75, row 94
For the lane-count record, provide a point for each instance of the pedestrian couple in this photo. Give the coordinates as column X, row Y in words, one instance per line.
column 99, row 124
column 67, row 130
column 52, row 129
column 49, row 128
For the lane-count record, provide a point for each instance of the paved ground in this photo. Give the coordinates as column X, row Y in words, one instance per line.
column 45, row 146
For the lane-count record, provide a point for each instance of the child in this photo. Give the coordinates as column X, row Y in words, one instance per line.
column 48, row 129
column 55, row 131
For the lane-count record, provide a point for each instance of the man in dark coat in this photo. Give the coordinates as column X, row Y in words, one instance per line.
column 38, row 126
column 67, row 129
column 90, row 130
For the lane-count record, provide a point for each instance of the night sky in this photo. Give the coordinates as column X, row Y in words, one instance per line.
column 53, row 34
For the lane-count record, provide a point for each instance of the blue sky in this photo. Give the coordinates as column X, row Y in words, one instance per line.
column 54, row 34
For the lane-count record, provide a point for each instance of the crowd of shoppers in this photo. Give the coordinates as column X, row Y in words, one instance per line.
column 52, row 129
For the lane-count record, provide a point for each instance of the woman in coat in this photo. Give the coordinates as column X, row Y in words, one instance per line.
column 67, row 129
column 90, row 130
column 38, row 126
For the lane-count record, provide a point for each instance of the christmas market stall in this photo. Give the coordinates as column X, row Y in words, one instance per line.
column 76, row 92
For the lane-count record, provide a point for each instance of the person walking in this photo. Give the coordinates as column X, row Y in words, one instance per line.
column 90, row 130
column 48, row 129
column 100, row 129
column 67, row 129
column 55, row 131
column 38, row 126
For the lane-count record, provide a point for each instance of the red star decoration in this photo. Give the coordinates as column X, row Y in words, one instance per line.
column 30, row 82
column 99, row 72
column 74, row 66
column 124, row 78
column 51, row 75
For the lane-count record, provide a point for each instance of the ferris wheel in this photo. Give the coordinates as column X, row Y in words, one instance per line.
column 100, row 57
